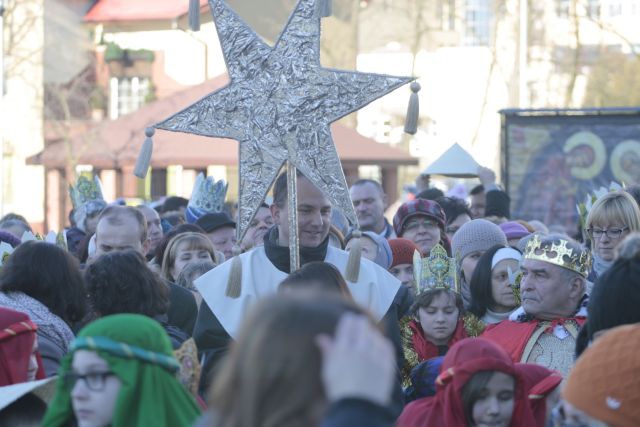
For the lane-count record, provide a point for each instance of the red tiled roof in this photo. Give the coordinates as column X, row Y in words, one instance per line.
column 115, row 143
column 137, row 10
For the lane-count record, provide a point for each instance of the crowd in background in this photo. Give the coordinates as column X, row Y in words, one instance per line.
column 457, row 315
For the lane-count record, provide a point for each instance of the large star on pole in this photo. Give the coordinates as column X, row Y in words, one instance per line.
column 279, row 106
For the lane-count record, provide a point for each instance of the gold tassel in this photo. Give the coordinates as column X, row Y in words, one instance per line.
column 194, row 15
column 413, row 110
column 144, row 158
column 355, row 255
column 324, row 8
column 234, row 284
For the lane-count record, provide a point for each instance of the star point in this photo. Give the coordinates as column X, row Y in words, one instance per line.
column 274, row 95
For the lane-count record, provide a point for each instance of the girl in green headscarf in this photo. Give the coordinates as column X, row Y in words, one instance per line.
column 121, row 372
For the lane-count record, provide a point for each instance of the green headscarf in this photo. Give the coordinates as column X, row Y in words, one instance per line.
column 138, row 351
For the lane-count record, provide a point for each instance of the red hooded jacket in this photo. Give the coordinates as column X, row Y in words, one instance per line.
column 17, row 335
column 464, row 359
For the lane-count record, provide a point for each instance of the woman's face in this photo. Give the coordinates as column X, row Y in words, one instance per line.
column 494, row 407
column 184, row 256
column 423, row 231
column 403, row 272
column 439, row 319
column 606, row 237
column 32, row 369
column 469, row 264
column 94, row 389
column 501, row 291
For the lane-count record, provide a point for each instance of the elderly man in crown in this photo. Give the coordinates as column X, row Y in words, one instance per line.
column 554, row 299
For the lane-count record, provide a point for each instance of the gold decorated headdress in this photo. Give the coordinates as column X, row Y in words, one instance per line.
column 85, row 191
column 438, row 271
column 558, row 252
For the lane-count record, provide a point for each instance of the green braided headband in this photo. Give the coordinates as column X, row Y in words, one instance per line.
column 120, row 349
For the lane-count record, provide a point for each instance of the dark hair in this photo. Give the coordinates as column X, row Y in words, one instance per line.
column 274, row 368
column 453, row 208
column 121, row 282
column 480, row 284
column 48, row 274
column 615, row 297
column 280, row 188
column 478, row 189
column 114, row 215
column 158, row 255
column 471, row 393
column 424, row 300
column 430, row 194
column 7, row 223
column 320, row 276
column 11, row 216
column 28, row 410
column 370, row 181
column 174, row 203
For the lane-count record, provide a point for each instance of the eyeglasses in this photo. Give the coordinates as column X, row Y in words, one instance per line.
column 612, row 233
column 415, row 225
column 95, row 381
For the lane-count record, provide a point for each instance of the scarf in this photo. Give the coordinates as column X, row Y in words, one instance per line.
column 17, row 335
column 279, row 255
column 425, row 349
column 49, row 324
column 491, row 317
column 138, row 351
column 600, row 265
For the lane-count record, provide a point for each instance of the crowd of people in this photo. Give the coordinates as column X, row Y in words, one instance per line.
column 458, row 315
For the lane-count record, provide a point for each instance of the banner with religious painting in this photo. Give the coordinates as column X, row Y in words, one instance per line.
column 551, row 159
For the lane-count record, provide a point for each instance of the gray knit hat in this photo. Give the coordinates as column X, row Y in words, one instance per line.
column 476, row 235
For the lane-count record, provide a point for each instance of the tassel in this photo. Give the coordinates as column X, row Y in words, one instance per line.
column 234, row 284
column 324, row 8
column 194, row 15
column 144, row 158
column 355, row 256
column 413, row 111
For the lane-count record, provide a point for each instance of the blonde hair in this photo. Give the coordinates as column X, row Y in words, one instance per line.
column 615, row 207
column 194, row 241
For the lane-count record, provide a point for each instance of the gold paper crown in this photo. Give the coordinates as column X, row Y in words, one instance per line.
column 558, row 252
column 85, row 190
column 438, row 271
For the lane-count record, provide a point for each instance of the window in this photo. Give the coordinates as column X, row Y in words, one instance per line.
column 477, row 23
column 127, row 94
column 593, row 8
column 563, row 7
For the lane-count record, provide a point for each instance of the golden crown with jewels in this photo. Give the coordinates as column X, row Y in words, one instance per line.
column 559, row 253
column 437, row 271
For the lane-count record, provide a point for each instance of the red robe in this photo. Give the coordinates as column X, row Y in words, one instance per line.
column 513, row 336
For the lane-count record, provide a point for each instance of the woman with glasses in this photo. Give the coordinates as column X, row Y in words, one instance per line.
column 423, row 222
column 121, row 372
column 612, row 217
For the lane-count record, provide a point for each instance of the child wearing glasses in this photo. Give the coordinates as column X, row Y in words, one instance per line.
column 121, row 371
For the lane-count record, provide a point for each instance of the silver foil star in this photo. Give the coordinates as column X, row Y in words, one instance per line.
column 279, row 105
